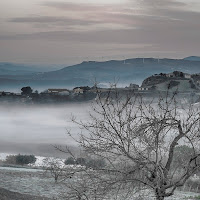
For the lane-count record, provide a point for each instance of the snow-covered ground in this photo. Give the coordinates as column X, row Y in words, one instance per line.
column 41, row 161
column 4, row 155
column 34, row 181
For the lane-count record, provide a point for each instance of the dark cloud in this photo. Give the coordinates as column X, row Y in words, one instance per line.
column 80, row 7
column 164, row 17
column 155, row 15
column 143, row 4
column 52, row 20
column 154, row 4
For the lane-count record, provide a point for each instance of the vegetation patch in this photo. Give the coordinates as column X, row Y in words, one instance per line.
column 20, row 159
column 173, row 84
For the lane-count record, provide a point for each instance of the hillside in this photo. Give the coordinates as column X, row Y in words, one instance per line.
column 126, row 70
column 172, row 81
column 8, row 69
column 192, row 58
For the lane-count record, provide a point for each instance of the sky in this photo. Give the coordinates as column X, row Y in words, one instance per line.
column 67, row 32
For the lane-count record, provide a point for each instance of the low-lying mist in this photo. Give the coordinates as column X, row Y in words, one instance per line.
column 35, row 129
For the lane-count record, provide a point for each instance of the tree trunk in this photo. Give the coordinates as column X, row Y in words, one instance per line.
column 159, row 194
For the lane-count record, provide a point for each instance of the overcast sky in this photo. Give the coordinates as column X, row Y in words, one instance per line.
column 65, row 32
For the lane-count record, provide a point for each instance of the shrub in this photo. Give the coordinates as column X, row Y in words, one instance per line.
column 81, row 161
column 25, row 159
column 20, row 159
column 70, row 161
column 95, row 163
column 11, row 159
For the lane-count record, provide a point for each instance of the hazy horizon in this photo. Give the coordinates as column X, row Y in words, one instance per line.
column 55, row 66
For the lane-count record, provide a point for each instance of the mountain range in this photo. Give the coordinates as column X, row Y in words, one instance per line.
column 123, row 72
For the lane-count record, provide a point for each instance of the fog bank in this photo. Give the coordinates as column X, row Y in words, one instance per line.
column 35, row 129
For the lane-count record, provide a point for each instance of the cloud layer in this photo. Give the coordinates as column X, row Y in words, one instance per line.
column 163, row 26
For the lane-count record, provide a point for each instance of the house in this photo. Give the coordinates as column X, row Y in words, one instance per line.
column 178, row 74
column 59, row 91
column 187, row 75
column 81, row 90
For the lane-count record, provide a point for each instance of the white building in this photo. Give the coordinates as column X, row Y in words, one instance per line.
column 187, row 75
column 178, row 74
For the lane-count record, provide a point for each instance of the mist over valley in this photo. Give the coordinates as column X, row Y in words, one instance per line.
column 35, row 129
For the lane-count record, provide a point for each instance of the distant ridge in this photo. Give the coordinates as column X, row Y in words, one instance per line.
column 123, row 72
column 193, row 58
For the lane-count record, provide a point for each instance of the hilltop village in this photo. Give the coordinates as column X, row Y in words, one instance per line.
column 183, row 83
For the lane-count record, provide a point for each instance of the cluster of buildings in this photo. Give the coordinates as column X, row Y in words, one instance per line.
column 86, row 92
column 176, row 74
column 87, row 89
column 76, row 90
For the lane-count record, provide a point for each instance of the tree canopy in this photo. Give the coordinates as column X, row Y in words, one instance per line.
column 26, row 90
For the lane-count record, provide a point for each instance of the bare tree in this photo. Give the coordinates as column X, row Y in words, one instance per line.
column 137, row 139
column 56, row 167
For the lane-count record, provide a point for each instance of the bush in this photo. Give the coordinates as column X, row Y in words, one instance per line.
column 25, row 159
column 11, row 159
column 81, row 161
column 70, row 161
column 88, row 162
column 20, row 159
column 95, row 163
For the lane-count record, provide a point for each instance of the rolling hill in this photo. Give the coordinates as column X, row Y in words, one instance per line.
column 193, row 58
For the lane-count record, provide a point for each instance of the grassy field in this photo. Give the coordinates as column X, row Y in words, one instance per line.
column 37, row 183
